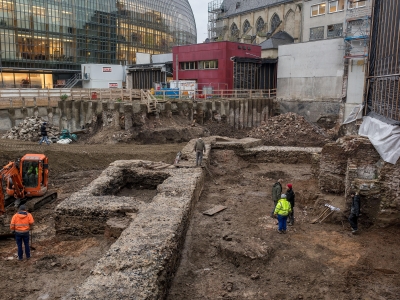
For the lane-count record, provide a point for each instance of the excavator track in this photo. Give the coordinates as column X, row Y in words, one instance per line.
column 37, row 202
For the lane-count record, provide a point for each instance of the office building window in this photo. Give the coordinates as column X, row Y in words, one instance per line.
column 317, row 33
column 356, row 4
column 318, row 9
column 335, row 6
column 61, row 34
column 208, row 64
column 334, row 30
column 190, row 65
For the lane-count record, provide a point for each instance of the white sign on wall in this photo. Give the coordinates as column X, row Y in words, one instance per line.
column 113, row 85
column 106, row 69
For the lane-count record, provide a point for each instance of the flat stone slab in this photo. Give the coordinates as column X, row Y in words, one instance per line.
column 285, row 149
column 231, row 143
column 214, row 210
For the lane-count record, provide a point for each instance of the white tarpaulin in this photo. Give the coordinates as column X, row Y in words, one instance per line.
column 384, row 137
column 356, row 114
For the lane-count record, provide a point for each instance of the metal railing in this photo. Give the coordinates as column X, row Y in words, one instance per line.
column 199, row 95
column 50, row 97
column 72, row 94
column 73, row 81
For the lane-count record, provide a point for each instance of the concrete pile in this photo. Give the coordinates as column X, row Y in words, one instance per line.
column 29, row 130
column 289, row 129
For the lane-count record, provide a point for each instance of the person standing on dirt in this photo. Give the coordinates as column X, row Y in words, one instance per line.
column 20, row 225
column 282, row 210
column 354, row 212
column 199, row 148
column 290, row 197
column 43, row 132
column 276, row 194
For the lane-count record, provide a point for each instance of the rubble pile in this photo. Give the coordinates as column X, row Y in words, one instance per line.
column 29, row 130
column 290, row 129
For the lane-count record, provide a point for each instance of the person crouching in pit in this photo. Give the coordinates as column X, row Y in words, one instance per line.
column 282, row 211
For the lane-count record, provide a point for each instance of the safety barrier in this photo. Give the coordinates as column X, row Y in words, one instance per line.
column 17, row 97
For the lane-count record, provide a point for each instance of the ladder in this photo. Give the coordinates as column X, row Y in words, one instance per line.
column 150, row 101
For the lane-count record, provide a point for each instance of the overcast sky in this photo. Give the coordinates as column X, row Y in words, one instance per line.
column 200, row 11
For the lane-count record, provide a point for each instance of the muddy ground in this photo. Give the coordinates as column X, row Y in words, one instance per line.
column 60, row 263
column 236, row 254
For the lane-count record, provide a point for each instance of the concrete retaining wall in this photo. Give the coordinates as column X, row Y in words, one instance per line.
column 72, row 114
column 313, row 111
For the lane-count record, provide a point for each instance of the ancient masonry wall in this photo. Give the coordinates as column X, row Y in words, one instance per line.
column 150, row 236
column 349, row 158
column 390, row 185
column 73, row 115
column 141, row 263
column 273, row 154
column 353, row 164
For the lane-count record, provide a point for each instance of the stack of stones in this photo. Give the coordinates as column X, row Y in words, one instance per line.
column 289, row 129
column 29, row 130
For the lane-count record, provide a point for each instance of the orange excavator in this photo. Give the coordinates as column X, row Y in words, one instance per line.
column 25, row 179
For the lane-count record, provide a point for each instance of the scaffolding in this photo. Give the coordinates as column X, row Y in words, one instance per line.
column 216, row 28
column 356, row 40
column 357, row 37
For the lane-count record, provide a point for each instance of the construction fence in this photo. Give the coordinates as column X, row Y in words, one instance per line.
column 50, row 97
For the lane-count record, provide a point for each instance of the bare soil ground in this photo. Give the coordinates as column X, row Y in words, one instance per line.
column 60, row 263
column 238, row 253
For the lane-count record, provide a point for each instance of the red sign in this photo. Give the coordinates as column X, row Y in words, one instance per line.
column 113, row 85
column 106, row 69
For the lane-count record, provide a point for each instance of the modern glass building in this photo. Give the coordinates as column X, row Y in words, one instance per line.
column 45, row 41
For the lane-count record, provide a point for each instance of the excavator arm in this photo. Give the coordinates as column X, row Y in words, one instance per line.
column 2, row 211
column 10, row 172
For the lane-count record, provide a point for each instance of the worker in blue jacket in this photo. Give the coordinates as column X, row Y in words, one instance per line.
column 354, row 212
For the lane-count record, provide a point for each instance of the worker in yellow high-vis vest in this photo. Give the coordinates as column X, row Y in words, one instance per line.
column 282, row 210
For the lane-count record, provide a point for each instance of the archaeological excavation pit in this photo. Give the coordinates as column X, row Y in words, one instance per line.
column 144, row 205
column 139, row 185
column 156, row 253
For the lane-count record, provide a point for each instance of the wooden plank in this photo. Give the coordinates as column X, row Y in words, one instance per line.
column 214, row 210
column 162, row 167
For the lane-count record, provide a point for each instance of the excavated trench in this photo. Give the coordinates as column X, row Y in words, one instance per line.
column 160, row 245
column 140, row 186
column 147, row 208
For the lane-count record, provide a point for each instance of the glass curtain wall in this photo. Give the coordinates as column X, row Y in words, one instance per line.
column 62, row 34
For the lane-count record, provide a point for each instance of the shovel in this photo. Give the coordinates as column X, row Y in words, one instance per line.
column 316, row 220
column 30, row 244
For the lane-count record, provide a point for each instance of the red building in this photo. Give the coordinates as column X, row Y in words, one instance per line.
column 211, row 64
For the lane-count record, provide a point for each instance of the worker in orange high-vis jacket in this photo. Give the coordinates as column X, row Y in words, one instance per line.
column 21, row 223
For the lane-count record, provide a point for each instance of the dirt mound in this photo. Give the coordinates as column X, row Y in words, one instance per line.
column 224, row 129
column 162, row 130
column 290, row 129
